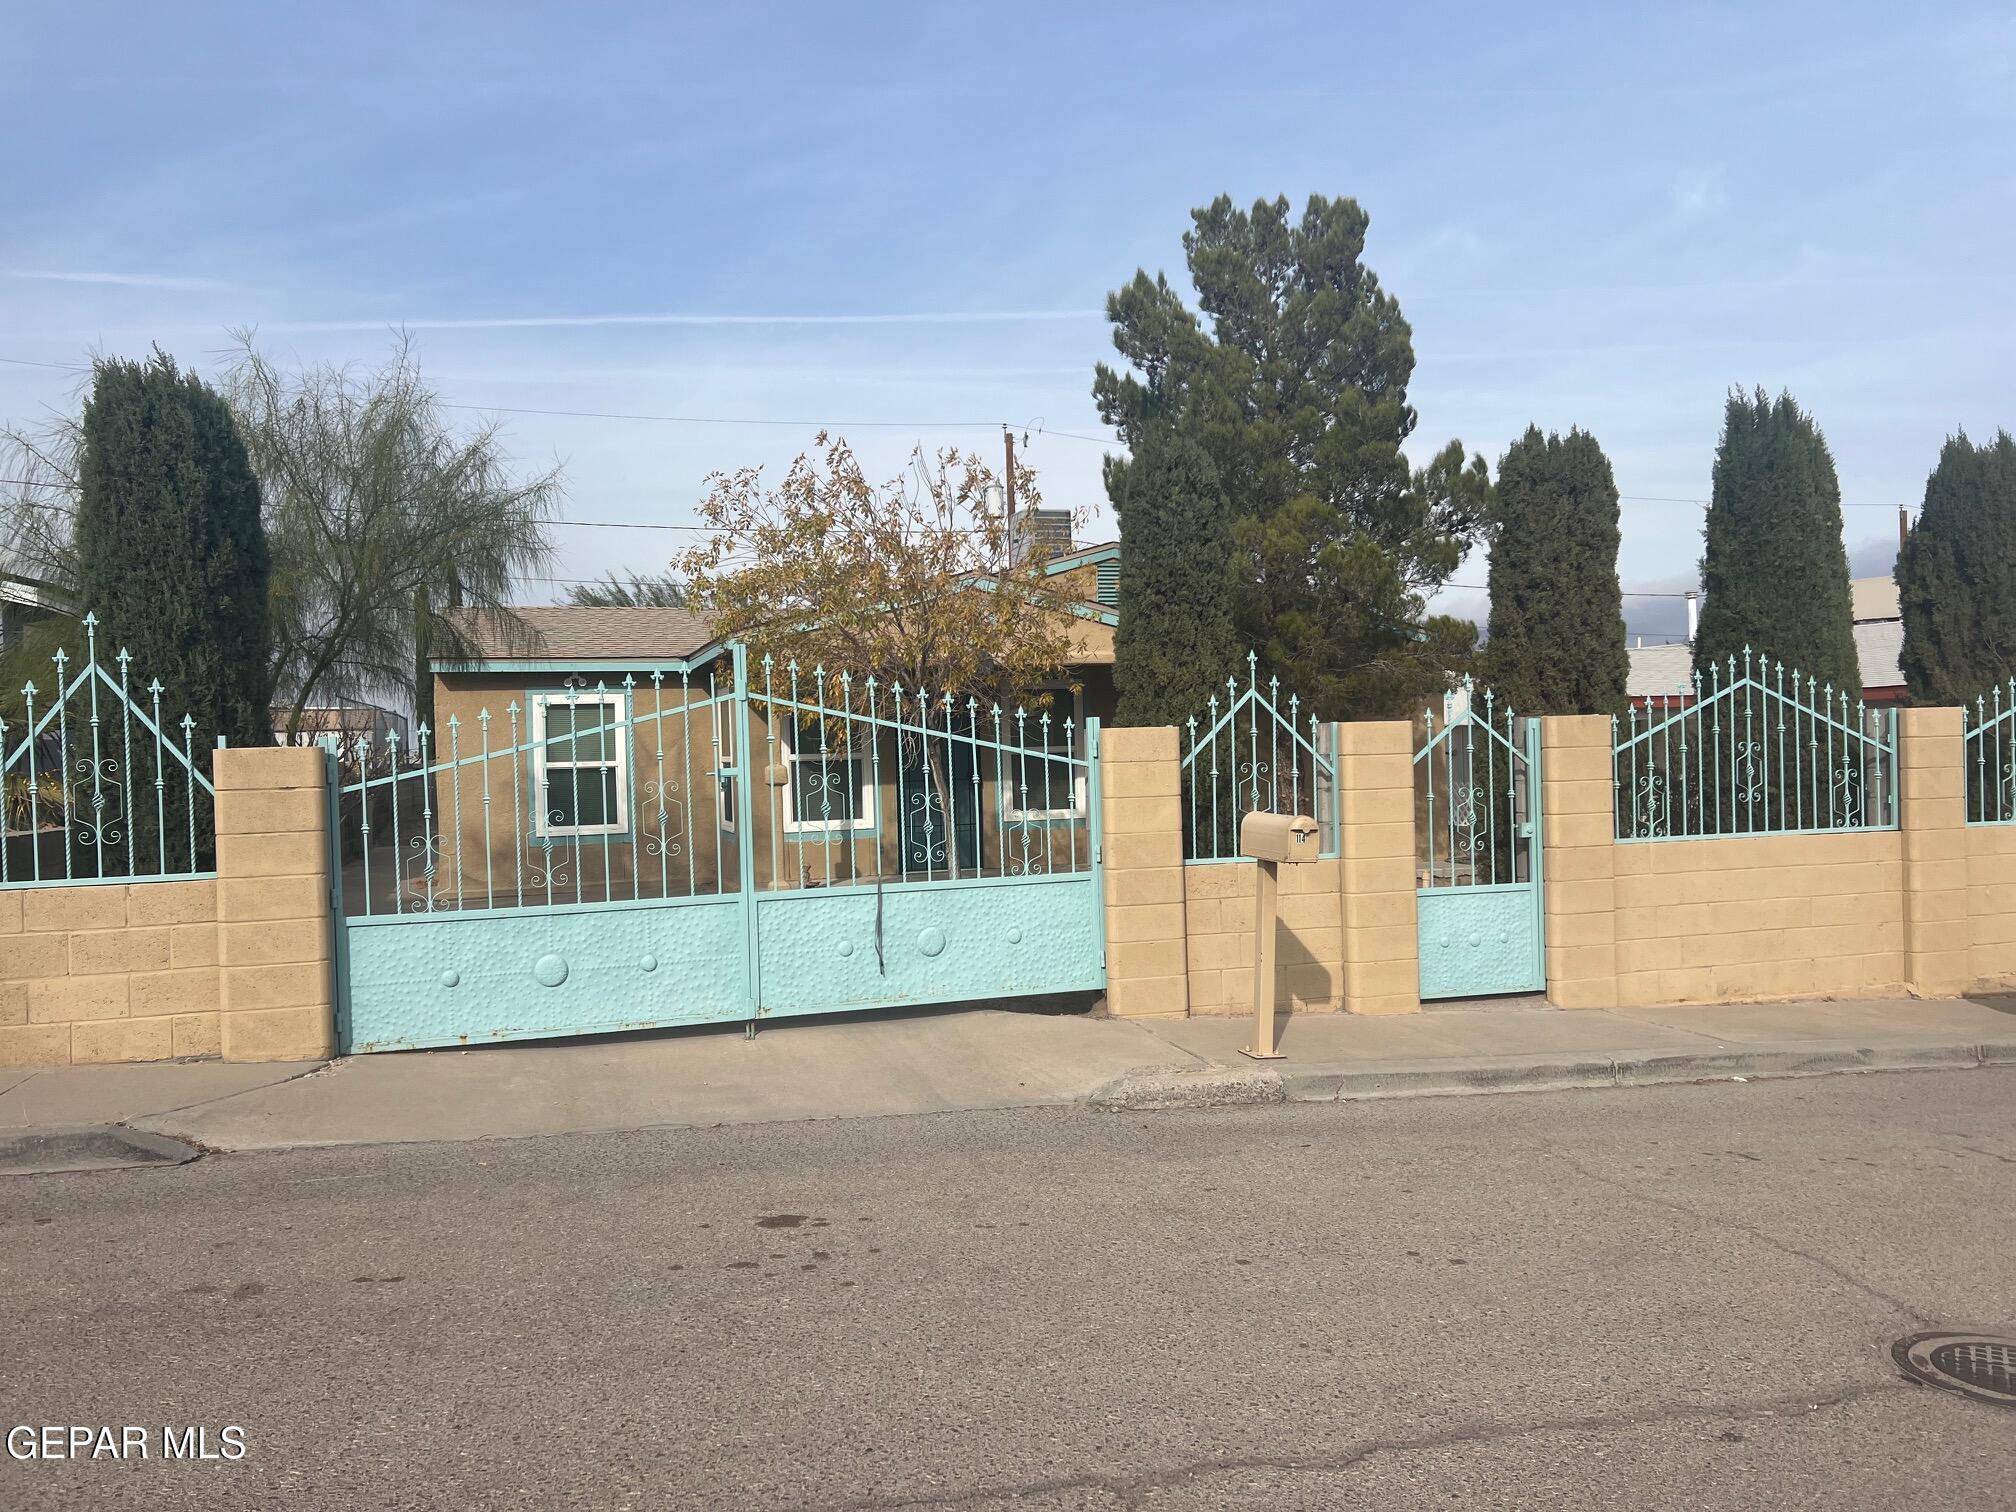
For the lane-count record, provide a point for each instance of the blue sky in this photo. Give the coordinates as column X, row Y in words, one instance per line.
column 1590, row 216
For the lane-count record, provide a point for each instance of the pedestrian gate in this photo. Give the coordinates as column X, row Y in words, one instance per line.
column 703, row 842
column 1479, row 908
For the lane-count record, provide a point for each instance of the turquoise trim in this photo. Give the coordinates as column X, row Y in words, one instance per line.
column 135, row 881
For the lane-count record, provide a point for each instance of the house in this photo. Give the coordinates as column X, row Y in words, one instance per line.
column 1665, row 673
column 25, row 601
column 619, row 723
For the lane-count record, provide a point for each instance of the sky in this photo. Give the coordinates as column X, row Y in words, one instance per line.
column 902, row 222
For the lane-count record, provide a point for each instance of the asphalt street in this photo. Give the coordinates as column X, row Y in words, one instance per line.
column 1680, row 1297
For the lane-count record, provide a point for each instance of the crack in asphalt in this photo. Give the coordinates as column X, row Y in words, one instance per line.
column 1710, row 1220
column 1130, row 1488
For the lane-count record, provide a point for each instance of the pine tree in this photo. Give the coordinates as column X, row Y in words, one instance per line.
column 1557, row 614
column 1956, row 577
column 171, row 550
column 1297, row 393
column 1177, row 642
column 1774, row 576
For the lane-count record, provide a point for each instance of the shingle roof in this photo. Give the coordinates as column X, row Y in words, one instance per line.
column 1662, row 671
column 1655, row 671
column 565, row 632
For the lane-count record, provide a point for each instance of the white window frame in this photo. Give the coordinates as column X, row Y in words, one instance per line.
column 723, row 714
column 864, row 820
column 1074, row 702
column 619, row 738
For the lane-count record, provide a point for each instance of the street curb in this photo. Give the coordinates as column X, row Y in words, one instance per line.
column 1157, row 1089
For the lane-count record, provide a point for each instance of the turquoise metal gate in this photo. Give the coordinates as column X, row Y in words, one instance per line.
column 1479, row 910
column 682, row 847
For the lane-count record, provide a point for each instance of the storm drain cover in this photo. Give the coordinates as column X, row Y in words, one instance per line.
column 1983, row 1366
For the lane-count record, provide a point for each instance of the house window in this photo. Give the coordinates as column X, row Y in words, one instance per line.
column 1044, row 783
column 826, row 792
column 581, row 763
column 723, row 715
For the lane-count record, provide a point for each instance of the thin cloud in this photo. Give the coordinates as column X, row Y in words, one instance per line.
column 537, row 322
column 122, row 280
column 1699, row 195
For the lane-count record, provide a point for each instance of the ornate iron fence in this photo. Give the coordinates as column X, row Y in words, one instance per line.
column 77, row 809
column 1250, row 754
column 1755, row 749
column 866, row 780
column 1989, row 749
column 1475, row 799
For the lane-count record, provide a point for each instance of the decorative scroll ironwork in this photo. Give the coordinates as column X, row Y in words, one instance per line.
column 576, row 801
column 1989, row 752
column 1754, row 748
column 1471, row 783
column 1251, row 753
column 872, row 781
column 76, row 807
column 597, row 792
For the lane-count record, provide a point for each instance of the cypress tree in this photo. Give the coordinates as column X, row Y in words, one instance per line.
column 1774, row 576
column 1956, row 576
column 171, row 549
column 1176, row 643
column 1557, row 613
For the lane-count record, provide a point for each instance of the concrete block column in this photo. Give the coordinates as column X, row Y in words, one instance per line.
column 1140, row 813
column 1375, row 790
column 1579, row 839
column 274, row 927
column 1932, row 815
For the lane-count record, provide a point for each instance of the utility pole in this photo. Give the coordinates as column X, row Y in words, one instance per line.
column 1903, row 526
column 1008, row 437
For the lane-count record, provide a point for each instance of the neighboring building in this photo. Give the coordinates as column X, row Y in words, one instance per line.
column 1665, row 673
column 349, row 721
column 23, row 602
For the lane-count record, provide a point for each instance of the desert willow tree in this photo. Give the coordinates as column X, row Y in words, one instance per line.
column 394, row 534
column 909, row 581
column 380, row 516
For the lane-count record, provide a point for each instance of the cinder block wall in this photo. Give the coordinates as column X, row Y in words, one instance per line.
column 1991, row 905
column 108, row 972
column 1779, row 916
column 1868, row 914
column 1220, row 910
column 1143, row 863
column 237, row 966
column 1180, row 935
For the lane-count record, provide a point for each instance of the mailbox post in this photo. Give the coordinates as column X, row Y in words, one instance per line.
column 1270, row 839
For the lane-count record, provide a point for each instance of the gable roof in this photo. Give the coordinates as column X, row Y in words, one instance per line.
column 575, row 633
column 1668, row 671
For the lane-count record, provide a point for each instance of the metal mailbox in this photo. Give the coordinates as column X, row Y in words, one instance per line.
column 1278, row 837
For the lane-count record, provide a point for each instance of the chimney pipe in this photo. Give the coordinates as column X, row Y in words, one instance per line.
column 1693, row 614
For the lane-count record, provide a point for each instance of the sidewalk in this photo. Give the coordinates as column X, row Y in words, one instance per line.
column 952, row 1060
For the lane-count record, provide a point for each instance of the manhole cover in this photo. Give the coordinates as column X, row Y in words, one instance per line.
column 1982, row 1366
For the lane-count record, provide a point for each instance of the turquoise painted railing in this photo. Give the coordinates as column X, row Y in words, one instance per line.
column 1990, row 756
column 1472, row 793
column 1249, row 754
column 575, row 794
column 96, row 787
column 1754, row 749
column 866, row 780
column 618, row 792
